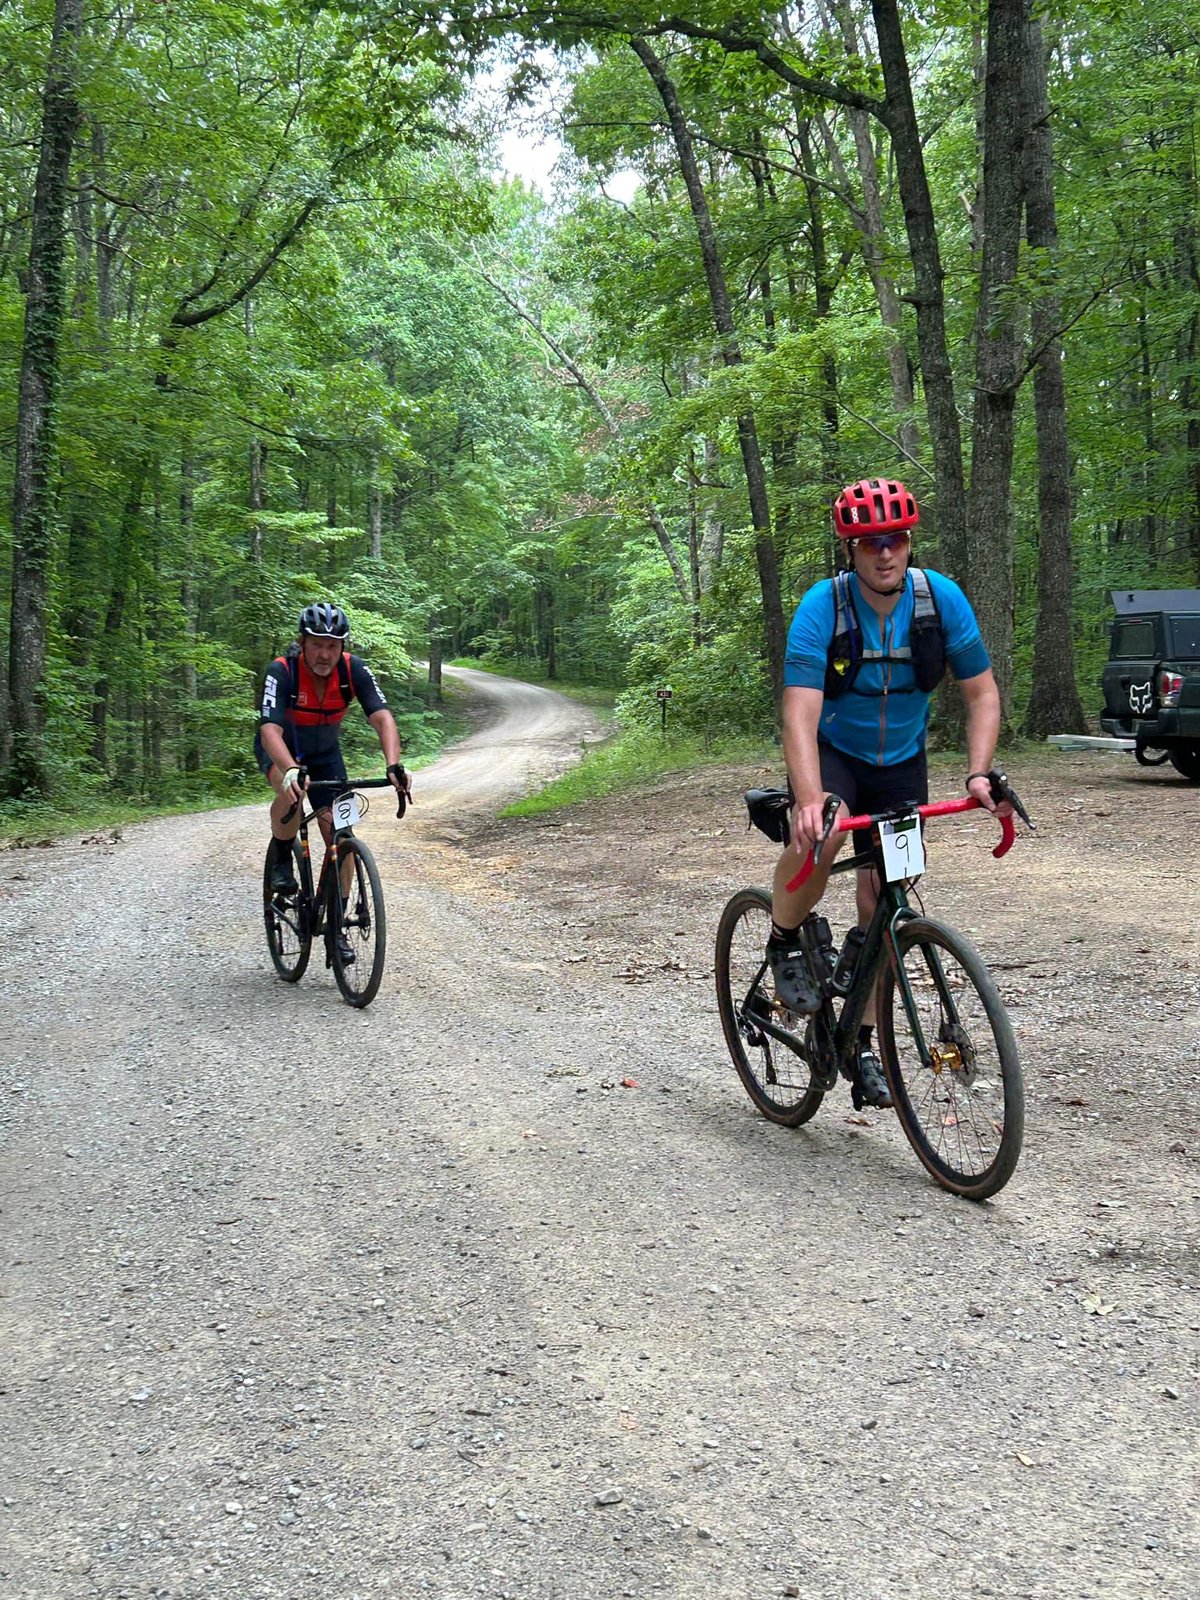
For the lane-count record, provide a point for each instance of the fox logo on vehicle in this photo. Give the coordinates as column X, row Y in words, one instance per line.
column 1140, row 696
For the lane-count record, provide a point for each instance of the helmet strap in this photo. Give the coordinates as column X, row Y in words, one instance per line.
column 897, row 588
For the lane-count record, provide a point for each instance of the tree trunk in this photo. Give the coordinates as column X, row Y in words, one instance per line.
column 109, row 644
column 712, row 543
column 730, row 352
column 35, row 465
column 106, row 249
column 873, row 235
column 1054, row 704
column 927, row 298
column 823, row 287
column 998, row 342
column 187, row 600
column 375, row 510
column 435, row 663
column 258, row 496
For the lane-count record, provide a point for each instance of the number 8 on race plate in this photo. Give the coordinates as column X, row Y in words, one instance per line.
column 903, row 848
column 345, row 811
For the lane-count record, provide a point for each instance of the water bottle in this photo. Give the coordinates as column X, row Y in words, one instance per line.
column 822, row 950
column 847, row 962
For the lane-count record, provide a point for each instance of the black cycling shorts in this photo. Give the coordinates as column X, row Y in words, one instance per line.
column 866, row 787
column 329, row 767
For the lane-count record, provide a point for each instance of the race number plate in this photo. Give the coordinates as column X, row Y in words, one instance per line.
column 345, row 811
column 903, row 848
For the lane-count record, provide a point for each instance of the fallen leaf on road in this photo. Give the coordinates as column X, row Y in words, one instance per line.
column 1095, row 1306
column 629, row 1083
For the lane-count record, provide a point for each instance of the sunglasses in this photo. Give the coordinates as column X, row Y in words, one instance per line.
column 877, row 543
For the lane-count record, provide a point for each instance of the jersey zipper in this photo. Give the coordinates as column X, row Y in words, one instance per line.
column 885, row 667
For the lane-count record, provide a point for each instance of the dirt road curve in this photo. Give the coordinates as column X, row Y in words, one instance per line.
column 305, row 1303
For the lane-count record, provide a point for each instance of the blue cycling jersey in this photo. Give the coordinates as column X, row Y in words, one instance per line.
column 883, row 716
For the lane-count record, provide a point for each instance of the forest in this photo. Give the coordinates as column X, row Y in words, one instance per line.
column 274, row 326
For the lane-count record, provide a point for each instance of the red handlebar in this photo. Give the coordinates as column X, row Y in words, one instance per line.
column 939, row 808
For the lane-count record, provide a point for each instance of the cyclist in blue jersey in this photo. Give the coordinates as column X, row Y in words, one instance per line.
column 865, row 651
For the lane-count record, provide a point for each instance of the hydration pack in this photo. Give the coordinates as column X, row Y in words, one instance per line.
column 926, row 650
column 291, row 660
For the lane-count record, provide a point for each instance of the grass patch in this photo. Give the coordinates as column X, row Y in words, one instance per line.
column 634, row 758
column 24, row 822
column 637, row 756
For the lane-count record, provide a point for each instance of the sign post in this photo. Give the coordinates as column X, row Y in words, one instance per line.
column 662, row 696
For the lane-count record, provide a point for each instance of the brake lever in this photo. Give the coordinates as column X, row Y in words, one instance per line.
column 1003, row 790
column 828, row 818
column 404, row 792
column 301, row 783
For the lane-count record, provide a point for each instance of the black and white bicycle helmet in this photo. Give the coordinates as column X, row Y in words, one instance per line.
column 325, row 621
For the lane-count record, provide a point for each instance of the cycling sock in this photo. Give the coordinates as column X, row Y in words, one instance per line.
column 783, row 935
column 864, row 1037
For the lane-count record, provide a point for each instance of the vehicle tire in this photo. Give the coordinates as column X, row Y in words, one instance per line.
column 961, row 1100
column 1185, row 758
column 289, row 937
column 776, row 1079
column 361, row 919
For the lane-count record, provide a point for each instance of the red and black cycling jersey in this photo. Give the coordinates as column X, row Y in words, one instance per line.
column 310, row 709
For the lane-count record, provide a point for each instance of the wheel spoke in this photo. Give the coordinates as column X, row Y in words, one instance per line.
column 951, row 1052
column 776, row 1078
column 357, row 937
column 288, row 936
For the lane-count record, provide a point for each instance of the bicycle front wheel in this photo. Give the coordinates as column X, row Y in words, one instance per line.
column 356, row 927
column 775, row 1077
column 951, row 1060
column 289, row 937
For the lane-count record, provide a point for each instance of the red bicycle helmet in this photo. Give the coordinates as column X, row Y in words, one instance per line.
column 874, row 505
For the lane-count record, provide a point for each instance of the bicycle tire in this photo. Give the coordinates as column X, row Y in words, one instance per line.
column 961, row 1102
column 777, row 1079
column 289, row 937
column 363, row 921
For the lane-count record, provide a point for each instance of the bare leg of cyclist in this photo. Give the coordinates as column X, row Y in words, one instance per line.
column 346, row 871
column 280, row 807
column 790, row 910
column 866, row 896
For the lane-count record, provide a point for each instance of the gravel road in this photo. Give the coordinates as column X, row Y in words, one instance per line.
column 301, row 1302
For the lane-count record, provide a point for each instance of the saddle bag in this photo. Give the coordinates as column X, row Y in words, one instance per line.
column 768, row 810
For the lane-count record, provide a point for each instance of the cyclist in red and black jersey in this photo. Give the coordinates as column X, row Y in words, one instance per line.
column 306, row 693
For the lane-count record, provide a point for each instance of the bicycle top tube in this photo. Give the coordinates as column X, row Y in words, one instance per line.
column 938, row 808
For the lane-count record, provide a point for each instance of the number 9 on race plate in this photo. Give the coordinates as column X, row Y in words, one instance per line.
column 345, row 811
column 903, row 848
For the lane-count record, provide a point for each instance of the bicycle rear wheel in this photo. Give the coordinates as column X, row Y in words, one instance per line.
column 776, row 1078
column 289, row 937
column 356, row 916
column 951, row 1060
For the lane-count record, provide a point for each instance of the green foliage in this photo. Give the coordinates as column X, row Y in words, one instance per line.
column 476, row 417
column 636, row 758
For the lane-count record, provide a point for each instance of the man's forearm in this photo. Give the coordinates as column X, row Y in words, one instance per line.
column 800, row 720
column 275, row 745
column 389, row 736
column 983, row 727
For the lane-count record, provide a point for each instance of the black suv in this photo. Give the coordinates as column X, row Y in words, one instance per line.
column 1151, row 680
